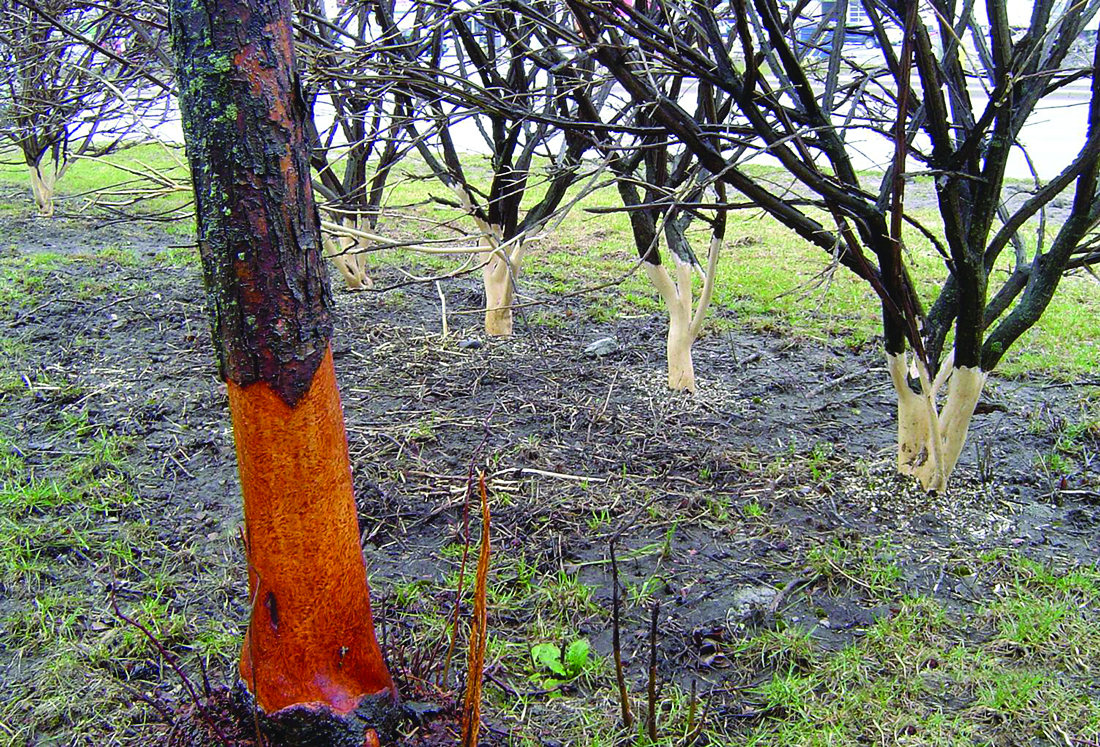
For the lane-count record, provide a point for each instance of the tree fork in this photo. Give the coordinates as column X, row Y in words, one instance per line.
column 310, row 659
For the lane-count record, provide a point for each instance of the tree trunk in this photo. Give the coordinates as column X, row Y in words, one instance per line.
column 42, row 187
column 681, row 370
column 342, row 251
column 310, row 653
column 930, row 441
column 496, row 275
column 311, row 639
column 683, row 324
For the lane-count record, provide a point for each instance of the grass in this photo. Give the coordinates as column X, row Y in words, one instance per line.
column 1015, row 666
column 86, row 175
column 768, row 280
column 71, row 527
column 918, row 677
column 873, row 568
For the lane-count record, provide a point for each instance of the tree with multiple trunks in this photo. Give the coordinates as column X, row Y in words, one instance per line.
column 365, row 126
column 310, row 663
column 948, row 110
column 487, row 73
column 76, row 78
column 663, row 190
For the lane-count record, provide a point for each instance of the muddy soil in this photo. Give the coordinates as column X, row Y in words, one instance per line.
column 717, row 499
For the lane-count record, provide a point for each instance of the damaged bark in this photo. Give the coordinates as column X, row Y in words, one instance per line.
column 310, row 649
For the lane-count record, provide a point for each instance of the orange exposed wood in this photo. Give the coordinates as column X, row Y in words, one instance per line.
column 311, row 639
column 479, row 629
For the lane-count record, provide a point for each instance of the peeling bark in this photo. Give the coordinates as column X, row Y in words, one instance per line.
column 259, row 232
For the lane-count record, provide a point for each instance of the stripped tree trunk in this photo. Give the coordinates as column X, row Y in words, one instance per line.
column 684, row 322
column 930, row 439
column 499, row 269
column 310, row 655
column 43, row 181
column 344, row 253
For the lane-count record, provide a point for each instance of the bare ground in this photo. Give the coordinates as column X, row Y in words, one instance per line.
column 765, row 503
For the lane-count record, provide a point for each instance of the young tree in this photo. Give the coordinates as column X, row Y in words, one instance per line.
column 310, row 654
column 65, row 88
column 957, row 120
column 489, row 72
column 673, row 188
column 365, row 125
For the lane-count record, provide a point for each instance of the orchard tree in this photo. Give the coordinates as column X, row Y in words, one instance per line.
column 951, row 111
column 75, row 79
column 310, row 659
column 660, row 183
column 484, row 77
column 355, row 153
column 671, row 200
column 663, row 190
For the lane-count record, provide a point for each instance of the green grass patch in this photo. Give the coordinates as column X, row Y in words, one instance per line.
column 920, row 679
column 85, row 176
column 769, row 279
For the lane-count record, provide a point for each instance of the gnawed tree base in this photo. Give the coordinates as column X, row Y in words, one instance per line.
column 681, row 369
column 683, row 324
column 342, row 250
column 310, row 639
column 930, row 440
column 43, row 183
column 496, row 274
column 231, row 713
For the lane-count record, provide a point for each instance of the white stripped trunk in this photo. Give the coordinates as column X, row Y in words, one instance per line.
column 930, row 440
column 497, row 278
column 681, row 369
column 341, row 250
column 500, row 269
column 683, row 325
column 43, row 182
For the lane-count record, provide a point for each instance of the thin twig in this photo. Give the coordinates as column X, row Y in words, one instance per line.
column 651, row 722
column 616, row 647
column 465, row 550
column 692, row 704
column 172, row 662
column 794, row 583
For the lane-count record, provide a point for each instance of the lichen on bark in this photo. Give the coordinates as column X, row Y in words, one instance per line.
column 258, row 227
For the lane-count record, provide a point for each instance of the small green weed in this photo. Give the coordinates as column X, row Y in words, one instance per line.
column 564, row 665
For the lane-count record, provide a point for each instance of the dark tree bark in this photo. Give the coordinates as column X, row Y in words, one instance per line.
column 801, row 112
column 310, row 653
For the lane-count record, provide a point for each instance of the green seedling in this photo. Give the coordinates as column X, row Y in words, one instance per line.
column 599, row 519
column 753, row 510
column 563, row 666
